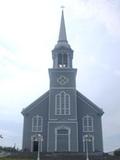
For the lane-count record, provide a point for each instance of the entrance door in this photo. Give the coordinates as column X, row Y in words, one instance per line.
column 88, row 143
column 35, row 146
column 62, row 140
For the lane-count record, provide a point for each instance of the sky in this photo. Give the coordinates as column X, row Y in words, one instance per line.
column 29, row 31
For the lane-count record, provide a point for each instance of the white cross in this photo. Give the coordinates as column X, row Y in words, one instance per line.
column 63, row 7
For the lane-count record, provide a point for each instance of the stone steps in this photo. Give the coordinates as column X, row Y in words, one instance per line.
column 62, row 156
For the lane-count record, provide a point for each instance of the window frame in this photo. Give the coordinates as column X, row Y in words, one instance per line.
column 63, row 107
column 62, row 60
column 38, row 127
column 87, row 127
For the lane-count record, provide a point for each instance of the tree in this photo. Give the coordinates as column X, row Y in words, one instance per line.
column 1, row 136
column 117, row 152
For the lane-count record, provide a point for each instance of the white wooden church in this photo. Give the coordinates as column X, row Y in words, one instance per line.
column 64, row 118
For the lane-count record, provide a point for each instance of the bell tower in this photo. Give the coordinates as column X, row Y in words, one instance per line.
column 62, row 54
column 62, row 118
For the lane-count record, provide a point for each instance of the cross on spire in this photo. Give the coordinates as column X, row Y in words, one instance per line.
column 62, row 7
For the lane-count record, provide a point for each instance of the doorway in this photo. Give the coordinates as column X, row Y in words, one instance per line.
column 62, row 140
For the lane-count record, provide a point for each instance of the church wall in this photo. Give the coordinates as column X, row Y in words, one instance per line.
column 62, row 109
column 85, row 109
column 98, row 133
column 27, row 133
column 72, row 93
column 73, row 135
column 55, row 74
column 42, row 110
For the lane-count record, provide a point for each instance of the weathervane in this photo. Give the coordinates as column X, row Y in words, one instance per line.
column 62, row 7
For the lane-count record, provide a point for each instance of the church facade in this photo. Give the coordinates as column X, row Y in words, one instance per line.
column 62, row 119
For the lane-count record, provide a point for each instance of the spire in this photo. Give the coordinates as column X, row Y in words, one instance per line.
column 62, row 53
column 62, row 40
column 62, row 33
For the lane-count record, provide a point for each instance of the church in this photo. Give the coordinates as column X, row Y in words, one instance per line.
column 62, row 119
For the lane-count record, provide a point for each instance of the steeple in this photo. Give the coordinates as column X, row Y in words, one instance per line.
column 62, row 54
column 62, row 33
column 62, row 39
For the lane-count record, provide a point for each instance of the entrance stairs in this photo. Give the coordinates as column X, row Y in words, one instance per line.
column 62, row 156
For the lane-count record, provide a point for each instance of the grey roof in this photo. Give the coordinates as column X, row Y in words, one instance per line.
column 46, row 95
column 35, row 103
column 90, row 103
column 62, row 33
column 62, row 40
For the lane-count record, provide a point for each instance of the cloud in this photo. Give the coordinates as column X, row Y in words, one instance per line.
column 29, row 30
column 103, row 11
column 11, row 135
column 109, row 15
column 117, row 72
column 112, row 142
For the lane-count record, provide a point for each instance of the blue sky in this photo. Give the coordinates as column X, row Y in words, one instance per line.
column 29, row 31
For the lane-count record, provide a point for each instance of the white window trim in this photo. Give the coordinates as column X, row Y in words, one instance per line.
column 87, row 126
column 41, row 129
column 60, row 108
column 69, row 133
column 84, row 143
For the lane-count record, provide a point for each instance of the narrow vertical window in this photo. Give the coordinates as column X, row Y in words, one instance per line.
column 67, row 104
column 62, row 60
column 62, row 104
column 58, row 104
column 37, row 123
column 65, row 60
column 87, row 123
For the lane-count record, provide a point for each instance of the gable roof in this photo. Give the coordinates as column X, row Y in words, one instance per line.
column 90, row 103
column 35, row 103
column 79, row 95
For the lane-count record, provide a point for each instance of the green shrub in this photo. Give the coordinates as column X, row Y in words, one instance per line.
column 117, row 152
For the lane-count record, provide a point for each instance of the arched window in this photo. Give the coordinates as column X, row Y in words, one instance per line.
column 87, row 123
column 37, row 123
column 62, row 104
column 62, row 60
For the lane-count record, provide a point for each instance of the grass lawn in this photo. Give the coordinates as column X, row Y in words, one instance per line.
column 9, row 158
column 20, row 156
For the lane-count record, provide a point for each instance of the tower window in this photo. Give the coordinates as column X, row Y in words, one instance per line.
column 62, row 104
column 62, row 60
column 87, row 123
column 37, row 123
